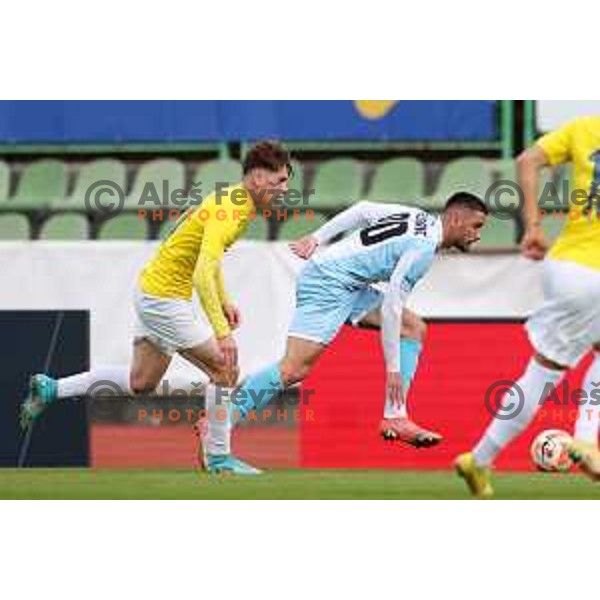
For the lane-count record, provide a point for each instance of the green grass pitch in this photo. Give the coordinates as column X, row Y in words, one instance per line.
column 292, row 484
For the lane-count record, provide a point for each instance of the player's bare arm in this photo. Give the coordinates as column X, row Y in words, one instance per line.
column 533, row 245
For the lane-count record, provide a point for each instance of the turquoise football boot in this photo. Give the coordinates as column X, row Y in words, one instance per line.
column 228, row 464
column 42, row 393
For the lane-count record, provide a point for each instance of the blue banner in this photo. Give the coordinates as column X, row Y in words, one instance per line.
column 75, row 121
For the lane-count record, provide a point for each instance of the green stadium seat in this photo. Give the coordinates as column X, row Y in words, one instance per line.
column 504, row 169
column 155, row 172
column 65, row 227
column 4, row 183
column 291, row 229
column 124, row 227
column 41, row 183
column 498, row 234
column 209, row 173
column 337, row 183
column 14, row 227
column 461, row 175
column 88, row 178
column 297, row 183
column 399, row 180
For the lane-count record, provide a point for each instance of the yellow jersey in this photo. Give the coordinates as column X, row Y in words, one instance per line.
column 190, row 257
column 578, row 142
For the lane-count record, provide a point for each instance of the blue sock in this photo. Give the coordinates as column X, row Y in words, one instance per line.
column 410, row 350
column 257, row 390
column 409, row 359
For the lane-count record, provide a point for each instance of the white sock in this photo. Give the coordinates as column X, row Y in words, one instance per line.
column 586, row 427
column 534, row 387
column 102, row 379
column 218, row 407
column 180, row 381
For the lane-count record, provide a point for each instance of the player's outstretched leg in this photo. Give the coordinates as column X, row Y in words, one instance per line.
column 478, row 478
column 213, row 436
column 531, row 389
column 588, row 421
column 212, row 433
column 584, row 449
column 587, row 457
column 396, row 425
column 149, row 365
column 44, row 390
column 42, row 393
column 262, row 387
column 255, row 392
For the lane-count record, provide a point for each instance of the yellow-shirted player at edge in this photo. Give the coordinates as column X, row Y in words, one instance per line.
column 188, row 259
column 567, row 326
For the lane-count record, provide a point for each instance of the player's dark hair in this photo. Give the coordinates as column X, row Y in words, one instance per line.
column 466, row 200
column 269, row 155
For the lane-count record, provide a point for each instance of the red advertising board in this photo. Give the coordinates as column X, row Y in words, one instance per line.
column 459, row 363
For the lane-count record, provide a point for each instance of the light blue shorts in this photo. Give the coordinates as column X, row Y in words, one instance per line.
column 324, row 304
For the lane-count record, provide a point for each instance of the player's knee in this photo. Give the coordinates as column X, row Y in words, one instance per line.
column 216, row 368
column 141, row 383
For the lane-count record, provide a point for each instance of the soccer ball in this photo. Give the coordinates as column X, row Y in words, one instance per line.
column 549, row 451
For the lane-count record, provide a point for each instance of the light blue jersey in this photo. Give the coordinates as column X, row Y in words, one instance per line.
column 372, row 254
column 392, row 243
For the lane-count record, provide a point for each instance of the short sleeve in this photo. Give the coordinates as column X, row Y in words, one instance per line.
column 557, row 145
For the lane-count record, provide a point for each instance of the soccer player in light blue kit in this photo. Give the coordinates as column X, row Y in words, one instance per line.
column 392, row 243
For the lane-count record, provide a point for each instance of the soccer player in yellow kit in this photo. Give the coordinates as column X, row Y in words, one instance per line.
column 189, row 258
column 567, row 325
